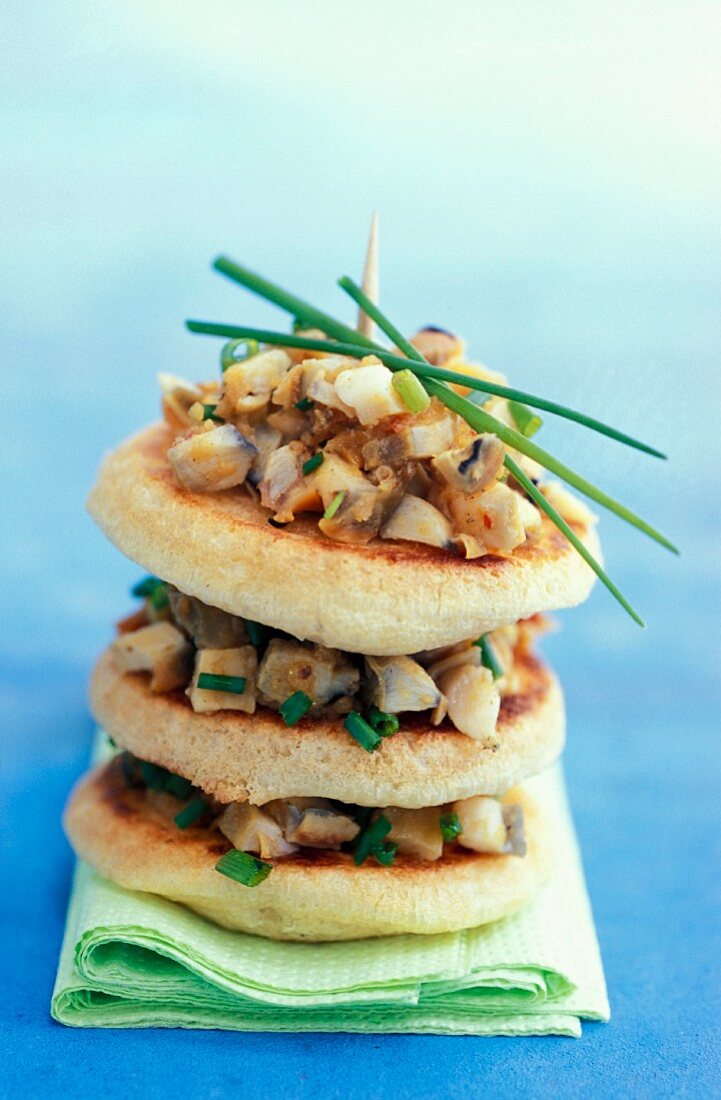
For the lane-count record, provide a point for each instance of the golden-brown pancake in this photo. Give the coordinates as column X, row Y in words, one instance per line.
column 382, row 598
column 315, row 897
column 236, row 756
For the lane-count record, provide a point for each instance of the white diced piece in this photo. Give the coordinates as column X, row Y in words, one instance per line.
column 415, row 520
column 473, row 700
column 160, row 649
column 492, row 516
column 241, row 661
column 483, row 828
column 212, row 460
column 399, row 684
column 416, row 832
column 250, row 829
column 247, row 385
column 368, row 390
column 425, row 440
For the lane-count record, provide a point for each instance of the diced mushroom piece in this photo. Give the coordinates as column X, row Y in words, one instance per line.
column 368, row 390
column 452, row 657
column 364, row 505
column 209, row 627
column 472, row 468
column 178, row 397
column 325, row 675
column 283, row 487
column 567, row 505
column 437, row 345
column 319, row 376
column 473, row 700
column 212, row 460
column 469, row 546
column 493, row 516
column 247, row 385
column 241, row 661
column 266, row 440
column 425, row 440
column 415, row 520
column 398, row 684
column 160, row 649
column 291, row 423
column 250, row 829
column 490, row 826
column 313, row 822
column 416, row 832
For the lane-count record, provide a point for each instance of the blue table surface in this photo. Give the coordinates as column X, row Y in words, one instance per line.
column 558, row 205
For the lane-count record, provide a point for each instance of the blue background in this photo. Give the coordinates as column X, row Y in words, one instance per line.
column 547, row 180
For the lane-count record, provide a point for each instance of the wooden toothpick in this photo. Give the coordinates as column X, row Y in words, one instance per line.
column 366, row 325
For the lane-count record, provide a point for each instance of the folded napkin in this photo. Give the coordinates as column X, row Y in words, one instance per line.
column 136, row 960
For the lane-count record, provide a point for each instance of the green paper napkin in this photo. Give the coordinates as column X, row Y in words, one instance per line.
column 136, row 960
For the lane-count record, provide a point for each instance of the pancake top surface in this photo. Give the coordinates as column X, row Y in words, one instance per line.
column 380, row 598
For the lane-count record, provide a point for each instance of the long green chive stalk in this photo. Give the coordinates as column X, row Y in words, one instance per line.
column 436, row 382
column 423, row 370
column 482, row 421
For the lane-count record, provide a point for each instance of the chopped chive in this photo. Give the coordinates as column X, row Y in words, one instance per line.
column 243, row 868
column 524, row 418
column 191, row 813
column 213, row 681
column 411, row 391
column 488, row 656
column 153, row 775
column 334, row 505
column 178, row 785
column 450, row 826
column 383, row 723
column 228, row 358
column 209, row 414
column 362, row 731
column 130, row 769
column 294, row 707
column 146, row 587
column 370, row 843
column 425, row 370
column 385, row 853
column 313, row 463
column 159, row 597
column 305, row 404
column 258, row 633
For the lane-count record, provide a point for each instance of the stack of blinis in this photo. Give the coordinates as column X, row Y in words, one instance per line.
column 328, row 699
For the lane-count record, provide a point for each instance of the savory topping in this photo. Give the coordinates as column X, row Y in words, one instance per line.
column 450, row 826
column 363, row 732
column 416, row 833
column 248, row 385
column 325, row 676
column 160, row 649
column 208, row 627
column 245, row 869
column 239, row 664
column 252, row 829
column 213, row 459
column 282, row 828
column 416, row 520
column 489, row 826
column 367, row 389
column 216, row 683
column 474, row 467
column 397, row 684
column 313, row 822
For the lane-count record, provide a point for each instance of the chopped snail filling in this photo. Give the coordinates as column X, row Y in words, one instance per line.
column 227, row 663
column 342, row 437
column 284, row 827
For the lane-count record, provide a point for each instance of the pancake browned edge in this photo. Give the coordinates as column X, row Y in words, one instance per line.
column 383, row 598
column 238, row 757
column 318, row 896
